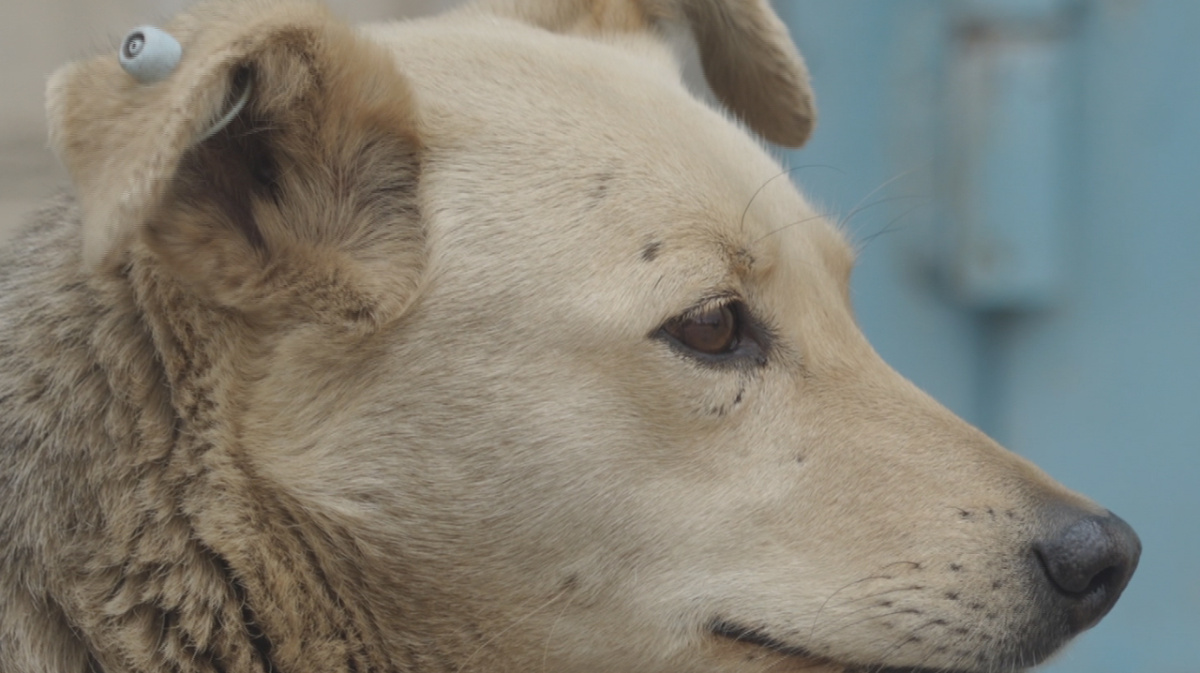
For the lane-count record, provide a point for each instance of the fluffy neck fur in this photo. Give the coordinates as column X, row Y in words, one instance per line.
column 171, row 554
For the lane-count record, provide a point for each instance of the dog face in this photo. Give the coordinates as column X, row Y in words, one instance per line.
column 558, row 351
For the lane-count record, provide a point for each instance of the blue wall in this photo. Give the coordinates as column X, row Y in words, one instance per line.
column 1030, row 172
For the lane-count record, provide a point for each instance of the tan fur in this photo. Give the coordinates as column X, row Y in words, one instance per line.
column 372, row 380
column 748, row 58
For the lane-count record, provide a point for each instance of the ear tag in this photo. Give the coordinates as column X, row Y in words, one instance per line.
column 149, row 55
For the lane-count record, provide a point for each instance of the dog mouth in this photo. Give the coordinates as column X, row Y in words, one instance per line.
column 757, row 638
column 751, row 636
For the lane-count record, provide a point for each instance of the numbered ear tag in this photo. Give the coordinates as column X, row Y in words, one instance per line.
column 149, row 55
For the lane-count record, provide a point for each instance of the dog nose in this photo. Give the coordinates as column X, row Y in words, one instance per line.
column 1089, row 560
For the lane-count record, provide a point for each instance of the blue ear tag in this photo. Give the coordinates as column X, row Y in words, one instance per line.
column 149, row 55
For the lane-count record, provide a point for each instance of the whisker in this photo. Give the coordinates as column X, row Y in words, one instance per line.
column 860, row 207
column 888, row 655
column 864, row 608
column 884, row 185
column 885, row 592
column 844, row 221
column 787, row 226
column 789, row 171
column 817, row 616
column 890, row 226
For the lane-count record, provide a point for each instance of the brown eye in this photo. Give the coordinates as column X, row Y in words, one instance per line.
column 712, row 332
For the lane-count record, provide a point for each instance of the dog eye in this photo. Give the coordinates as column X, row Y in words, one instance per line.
column 712, row 332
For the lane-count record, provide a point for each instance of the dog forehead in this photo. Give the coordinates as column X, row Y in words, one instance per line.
column 485, row 68
column 545, row 130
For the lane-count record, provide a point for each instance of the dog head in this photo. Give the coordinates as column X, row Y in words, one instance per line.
column 554, row 353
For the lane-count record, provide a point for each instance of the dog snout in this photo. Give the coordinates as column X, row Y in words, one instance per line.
column 1087, row 559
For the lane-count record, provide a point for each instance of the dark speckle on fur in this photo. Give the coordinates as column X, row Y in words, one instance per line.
column 600, row 188
column 570, row 583
column 651, row 251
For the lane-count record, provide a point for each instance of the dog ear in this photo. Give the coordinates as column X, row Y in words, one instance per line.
column 273, row 167
column 748, row 58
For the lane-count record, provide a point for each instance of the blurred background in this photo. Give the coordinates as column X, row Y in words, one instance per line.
column 1023, row 178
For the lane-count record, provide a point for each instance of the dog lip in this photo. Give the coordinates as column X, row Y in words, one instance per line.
column 752, row 636
column 916, row 670
column 906, row 669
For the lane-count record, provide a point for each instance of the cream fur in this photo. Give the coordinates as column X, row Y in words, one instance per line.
column 372, row 380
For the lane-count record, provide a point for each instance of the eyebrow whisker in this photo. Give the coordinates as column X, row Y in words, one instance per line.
column 883, row 185
column 890, row 226
column 789, row 225
column 789, row 171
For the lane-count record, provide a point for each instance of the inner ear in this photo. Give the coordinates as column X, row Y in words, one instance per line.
column 232, row 169
column 304, row 203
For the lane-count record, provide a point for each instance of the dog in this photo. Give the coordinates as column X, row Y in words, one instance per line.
column 479, row 344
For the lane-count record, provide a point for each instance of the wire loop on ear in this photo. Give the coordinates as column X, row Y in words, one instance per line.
column 150, row 55
column 238, row 106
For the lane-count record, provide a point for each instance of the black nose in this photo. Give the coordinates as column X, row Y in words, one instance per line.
column 1089, row 560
